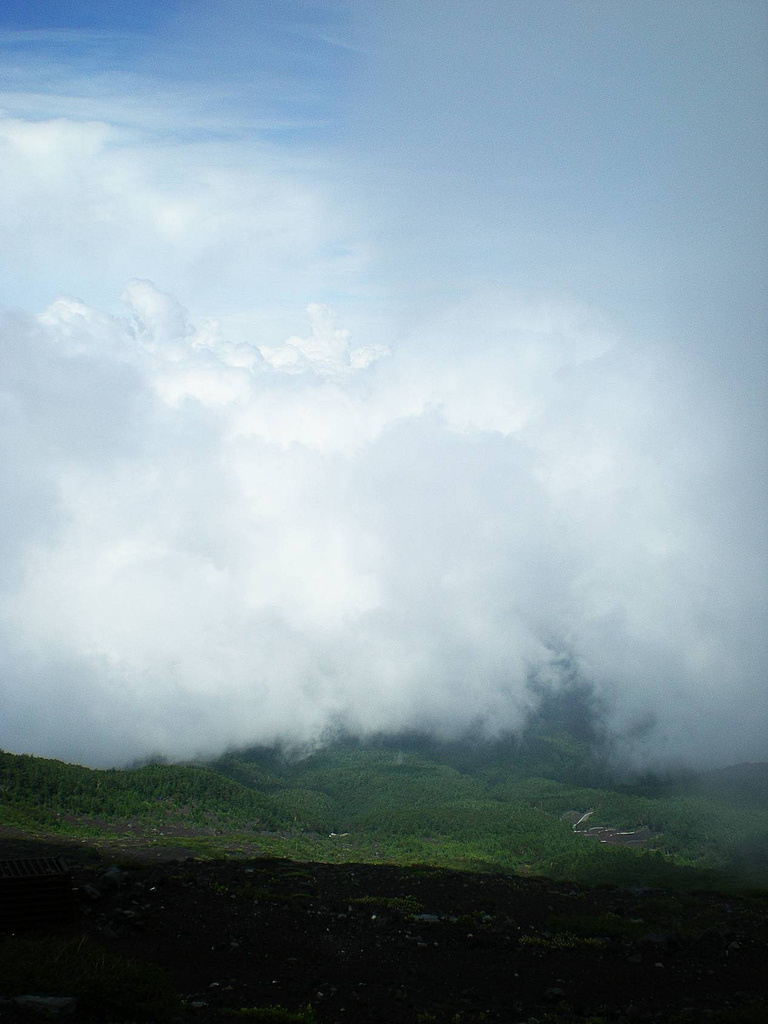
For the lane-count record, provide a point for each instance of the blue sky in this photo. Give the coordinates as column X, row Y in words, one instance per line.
column 613, row 152
column 362, row 358
column 285, row 61
column 191, row 102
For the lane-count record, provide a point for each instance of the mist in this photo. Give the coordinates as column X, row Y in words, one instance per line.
column 214, row 545
column 342, row 406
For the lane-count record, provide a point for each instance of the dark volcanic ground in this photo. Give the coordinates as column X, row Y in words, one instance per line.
column 365, row 943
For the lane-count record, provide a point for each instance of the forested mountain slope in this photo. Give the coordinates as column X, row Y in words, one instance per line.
column 482, row 806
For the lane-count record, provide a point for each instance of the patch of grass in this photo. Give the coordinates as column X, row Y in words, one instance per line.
column 754, row 1011
column 274, row 1015
column 561, row 941
column 399, row 904
column 107, row 986
column 261, row 895
column 602, row 925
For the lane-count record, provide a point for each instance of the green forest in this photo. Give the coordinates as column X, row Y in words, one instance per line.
column 505, row 806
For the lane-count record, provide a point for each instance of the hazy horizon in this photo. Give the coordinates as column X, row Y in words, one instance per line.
column 362, row 362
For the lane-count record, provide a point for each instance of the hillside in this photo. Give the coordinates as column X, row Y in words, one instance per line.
column 274, row 942
column 488, row 807
column 416, row 899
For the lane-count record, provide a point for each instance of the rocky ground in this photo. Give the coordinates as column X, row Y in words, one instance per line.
column 365, row 943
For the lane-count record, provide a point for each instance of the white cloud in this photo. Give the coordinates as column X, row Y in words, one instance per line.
column 90, row 204
column 205, row 549
column 224, row 524
column 327, row 350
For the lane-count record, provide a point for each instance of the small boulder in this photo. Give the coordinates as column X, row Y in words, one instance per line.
column 553, row 994
column 113, row 877
column 89, row 892
column 655, row 940
column 51, row 1007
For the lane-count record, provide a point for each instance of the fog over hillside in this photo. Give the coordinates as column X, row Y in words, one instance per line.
column 336, row 406
column 216, row 545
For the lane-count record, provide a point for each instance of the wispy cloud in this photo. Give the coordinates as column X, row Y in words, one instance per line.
column 244, row 219
column 66, row 37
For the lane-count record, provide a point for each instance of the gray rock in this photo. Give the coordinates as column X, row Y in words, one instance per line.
column 47, row 1006
column 113, row 877
column 554, row 994
column 655, row 940
column 89, row 892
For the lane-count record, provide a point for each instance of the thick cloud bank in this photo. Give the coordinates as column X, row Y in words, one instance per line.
column 211, row 544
